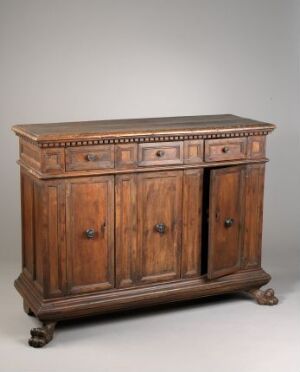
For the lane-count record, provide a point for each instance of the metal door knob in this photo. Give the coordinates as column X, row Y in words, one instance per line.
column 90, row 233
column 228, row 222
column 225, row 149
column 160, row 228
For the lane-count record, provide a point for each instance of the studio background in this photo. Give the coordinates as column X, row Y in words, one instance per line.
column 74, row 60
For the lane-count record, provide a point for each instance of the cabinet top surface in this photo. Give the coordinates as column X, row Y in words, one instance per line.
column 85, row 130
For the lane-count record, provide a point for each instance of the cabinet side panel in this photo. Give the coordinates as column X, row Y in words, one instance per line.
column 56, row 243
column 53, row 238
column 253, row 214
column 27, row 199
column 40, row 233
column 126, row 230
column 192, row 215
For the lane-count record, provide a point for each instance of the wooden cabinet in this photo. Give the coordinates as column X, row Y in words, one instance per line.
column 146, row 212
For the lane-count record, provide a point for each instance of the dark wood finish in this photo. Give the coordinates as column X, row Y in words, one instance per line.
column 166, row 153
column 126, row 231
column 191, row 226
column 193, row 151
column 156, row 128
column 126, row 155
column 53, row 161
column 225, row 221
column 159, row 202
column 27, row 309
column 226, row 149
column 254, row 192
column 129, row 213
column 256, row 147
column 90, row 205
column 89, row 158
column 141, row 296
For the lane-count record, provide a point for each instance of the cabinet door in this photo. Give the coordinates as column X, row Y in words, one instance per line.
column 159, row 225
column 225, row 220
column 90, row 240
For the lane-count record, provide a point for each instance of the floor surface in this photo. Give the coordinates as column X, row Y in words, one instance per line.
column 227, row 333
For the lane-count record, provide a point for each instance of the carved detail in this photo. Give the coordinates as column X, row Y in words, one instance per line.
column 42, row 335
column 264, row 297
column 141, row 139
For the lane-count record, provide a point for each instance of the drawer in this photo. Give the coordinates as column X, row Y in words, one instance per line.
column 226, row 149
column 163, row 153
column 89, row 157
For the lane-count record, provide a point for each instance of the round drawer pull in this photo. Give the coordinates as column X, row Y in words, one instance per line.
column 160, row 228
column 225, row 149
column 90, row 233
column 160, row 153
column 228, row 222
column 91, row 157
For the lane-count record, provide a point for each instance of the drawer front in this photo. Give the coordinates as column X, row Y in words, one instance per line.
column 226, row 149
column 89, row 157
column 163, row 153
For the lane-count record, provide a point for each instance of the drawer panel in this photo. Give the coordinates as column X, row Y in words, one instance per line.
column 193, row 151
column 163, row 153
column 89, row 157
column 126, row 155
column 225, row 149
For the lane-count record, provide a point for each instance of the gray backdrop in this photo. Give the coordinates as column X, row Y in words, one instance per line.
column 84, row 60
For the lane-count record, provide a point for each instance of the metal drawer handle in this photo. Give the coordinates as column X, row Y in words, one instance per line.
column 160, row 153
column 90, row 233
column 228, row 222
column 91, row 157
column 160, row 228
column 225, row 149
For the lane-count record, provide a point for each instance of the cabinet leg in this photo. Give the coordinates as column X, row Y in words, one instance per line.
column 264, row 297
column 42, row 335
column 27, row 309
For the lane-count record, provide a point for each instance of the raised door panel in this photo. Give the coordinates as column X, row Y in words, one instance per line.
column 28, row 240
column 225, row 221
column 33, row 229
column 126, row 230
column 159, row 225
column 90, row 240
column 254, row 191
column 192, row 223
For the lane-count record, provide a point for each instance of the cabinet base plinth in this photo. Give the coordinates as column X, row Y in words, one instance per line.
column 27, row 309
column 52, row 310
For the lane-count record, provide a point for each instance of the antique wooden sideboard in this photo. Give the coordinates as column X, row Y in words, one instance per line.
column 121, row 214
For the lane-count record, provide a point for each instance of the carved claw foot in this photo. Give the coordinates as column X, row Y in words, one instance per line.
column 42, row 336
column 262, row 297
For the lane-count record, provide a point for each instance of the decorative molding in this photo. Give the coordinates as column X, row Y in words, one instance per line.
column 142, row 139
